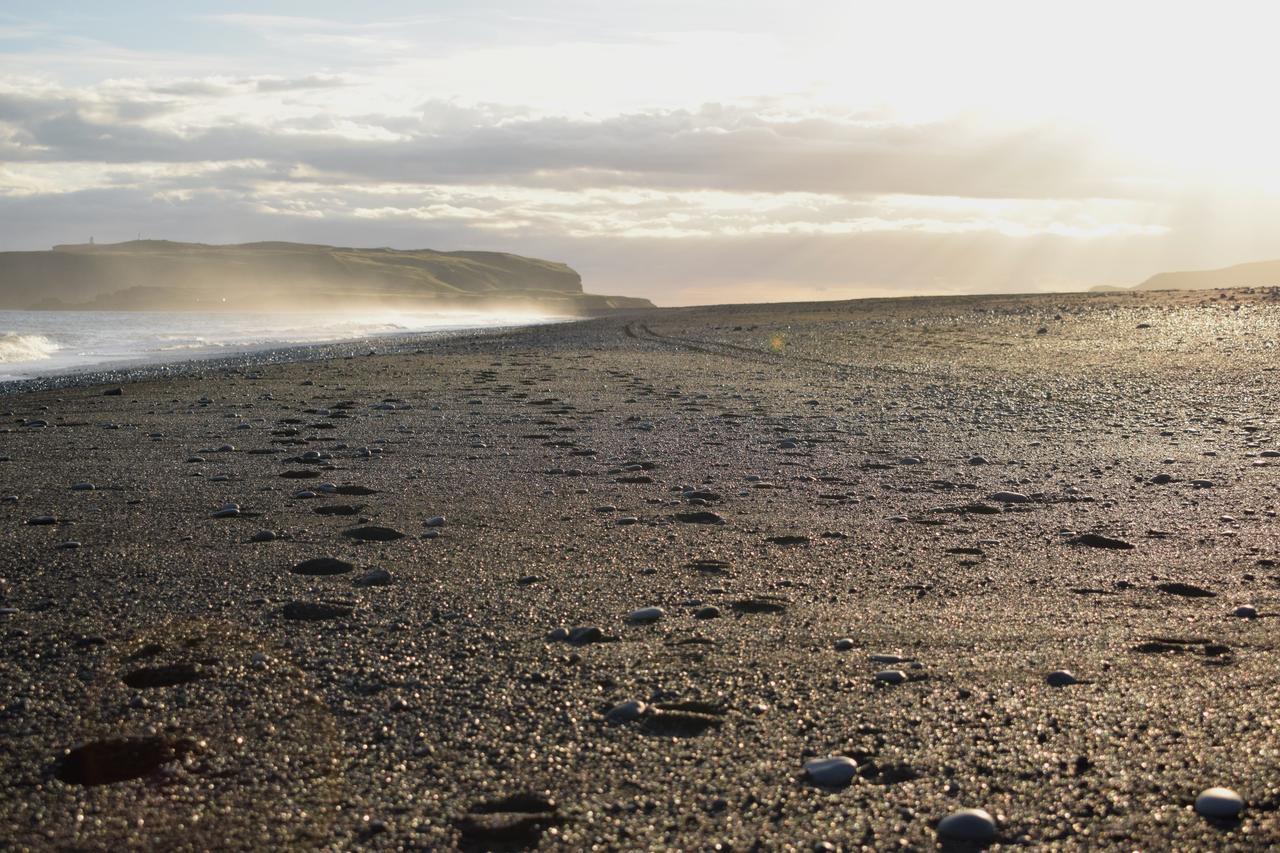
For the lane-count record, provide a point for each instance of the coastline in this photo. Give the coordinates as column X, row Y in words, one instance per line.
column 139, row 370
column 814, row 495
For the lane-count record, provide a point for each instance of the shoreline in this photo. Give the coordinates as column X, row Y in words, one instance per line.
column 130, row 371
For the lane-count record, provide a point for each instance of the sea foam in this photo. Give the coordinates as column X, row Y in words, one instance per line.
column 18, row 347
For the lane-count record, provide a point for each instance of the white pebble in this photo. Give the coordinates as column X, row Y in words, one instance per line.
column 836, row 770
column 626, row 712
column 1219, row 802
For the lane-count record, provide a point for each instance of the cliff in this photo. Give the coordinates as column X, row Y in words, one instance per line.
column 162, row 275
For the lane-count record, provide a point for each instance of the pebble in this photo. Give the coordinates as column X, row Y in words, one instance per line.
column 834, row 771
column 558, row 635
column 891, row 676
column 228, row 510
column 1219, row 803
column 844, row 644
column 1245, row 611
column 626, row 712
column 435, row 521
column 647, row 614
column 263, row 536
column 975, row 825
column 888, row 659
column 374, row 577
column 83, row 487
column 1009, row 498
column 708, row 612
column 1060, row 678
column 42, row 520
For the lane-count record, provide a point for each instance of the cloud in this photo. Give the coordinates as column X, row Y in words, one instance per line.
column 744, row 148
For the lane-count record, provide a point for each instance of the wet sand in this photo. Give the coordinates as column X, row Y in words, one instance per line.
column 812, row 494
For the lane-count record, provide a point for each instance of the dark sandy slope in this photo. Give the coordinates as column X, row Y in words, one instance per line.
column 434, row 711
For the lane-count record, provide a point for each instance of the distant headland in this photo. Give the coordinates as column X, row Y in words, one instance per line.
column 142, row 275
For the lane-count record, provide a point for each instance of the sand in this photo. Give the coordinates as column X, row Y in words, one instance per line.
column 774, row 478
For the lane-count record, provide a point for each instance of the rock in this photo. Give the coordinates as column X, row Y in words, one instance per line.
column 83, row 487
column 1202, row 484
column 558, row 635
column 585, row 636
column 844, row 644
column 977, row 460
column 891, row 676
column 435, row 521
column 228, row 511
column 700, row 517
column 1188, row 590
column 113, row 392
column 1245, row 611
column 321, row 566
column 106, row 762
column 832, row 772
column 374, row 577
column 626, row 712
column 708, row 612
column 647, row 614
column 373, row 534
column 881, row 658
column 1094, row 540
column 263, row 536
column 1162, row 479
column 1219, row 803
column 1009, row 498
column 1060, row 678
column 42, row 520
column 972, row 825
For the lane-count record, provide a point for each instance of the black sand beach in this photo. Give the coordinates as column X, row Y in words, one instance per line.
column 874, row 529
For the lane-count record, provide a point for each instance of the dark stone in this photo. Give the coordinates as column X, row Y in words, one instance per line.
column 169, row 675
column 1186, row 589
column 105, row 762
column 374, row 534
column 1094, row 540
column 322, row 566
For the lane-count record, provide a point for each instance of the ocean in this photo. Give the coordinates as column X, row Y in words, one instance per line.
column 43, row 343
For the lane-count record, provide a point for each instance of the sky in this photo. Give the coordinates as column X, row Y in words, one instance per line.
column 691, row 152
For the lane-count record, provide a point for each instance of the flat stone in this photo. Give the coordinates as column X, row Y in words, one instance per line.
column 626, row 712
column 833, row 772
column 647, row 614
column 891, row 676
column 373, row 534
column 322, row 566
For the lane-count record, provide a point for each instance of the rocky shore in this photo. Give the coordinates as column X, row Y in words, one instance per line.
column 883, row 574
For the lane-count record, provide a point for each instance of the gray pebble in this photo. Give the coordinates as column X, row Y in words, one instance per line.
column 1219, row 803
column 975, row 825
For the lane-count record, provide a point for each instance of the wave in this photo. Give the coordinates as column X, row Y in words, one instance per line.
column 16, row 347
